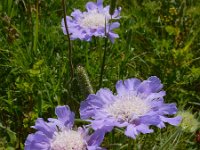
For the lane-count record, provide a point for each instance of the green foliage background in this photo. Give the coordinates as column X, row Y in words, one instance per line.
column 157, row 37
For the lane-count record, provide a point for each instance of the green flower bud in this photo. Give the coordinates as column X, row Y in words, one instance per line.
column 189, row 123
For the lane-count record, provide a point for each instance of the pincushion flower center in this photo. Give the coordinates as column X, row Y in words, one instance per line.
column 128, row 108
column 93, row 20
column 68, row 140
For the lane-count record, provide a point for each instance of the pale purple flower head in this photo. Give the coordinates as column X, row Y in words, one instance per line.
column 57, row 134
column 93, row 22
column 136, row 106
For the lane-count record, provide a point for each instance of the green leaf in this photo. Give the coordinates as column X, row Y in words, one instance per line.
column 11, row 134
column 171, row 30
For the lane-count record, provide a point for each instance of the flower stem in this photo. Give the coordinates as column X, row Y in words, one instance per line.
column 86, row 59
column 104, row 56
column 69, row 42
column 103, row 62
column 130, row 144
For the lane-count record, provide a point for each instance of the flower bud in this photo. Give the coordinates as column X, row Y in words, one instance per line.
column 189, row 123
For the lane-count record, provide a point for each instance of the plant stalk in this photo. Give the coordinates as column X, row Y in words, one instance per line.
column 69, row 42
column 104, row 57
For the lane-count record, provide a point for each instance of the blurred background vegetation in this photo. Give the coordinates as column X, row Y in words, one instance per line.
column 156, row 37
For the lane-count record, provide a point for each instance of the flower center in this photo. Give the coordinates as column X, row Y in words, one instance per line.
column 128, row 108
column 68, row 140
column 93, row 20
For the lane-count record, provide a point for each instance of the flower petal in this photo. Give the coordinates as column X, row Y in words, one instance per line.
column 126, row 86
column 114, row 25
column 120, row 87
column 76, row 14
column 144, row 129
column 100, row 4
column 65, row 115
column 156, row 96
column 173, row 121
column 167, row 109
column 150, row 120
column 107, row 124
column 37, row 141
column 112, row 36
column 47, row 128
column 95, row 102
column 116, row 13
column 96, row 138
column 131, row 131
column 90, row 6
column 132, row 84
column 88, row 107
column 106, row 96
column 151, row 85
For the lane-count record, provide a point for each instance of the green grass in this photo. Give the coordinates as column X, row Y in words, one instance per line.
column 157, row 37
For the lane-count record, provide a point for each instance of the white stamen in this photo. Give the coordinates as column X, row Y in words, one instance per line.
column 128, row 107
column 68, row 140
column 93, row 20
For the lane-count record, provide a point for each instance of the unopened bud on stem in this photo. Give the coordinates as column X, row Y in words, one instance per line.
column 84, row 82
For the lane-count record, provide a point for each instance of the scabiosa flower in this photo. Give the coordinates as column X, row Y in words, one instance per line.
column 93, row 22
column 57, row 134
column 136, row 106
